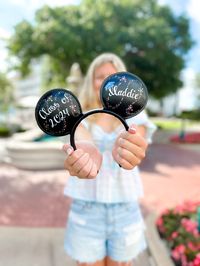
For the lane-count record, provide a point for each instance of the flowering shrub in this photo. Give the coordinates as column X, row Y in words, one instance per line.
column 181, row 230
column 192, row 137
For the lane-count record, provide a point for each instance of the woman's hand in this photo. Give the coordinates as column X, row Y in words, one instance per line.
column 129, row 148
column 84, row 162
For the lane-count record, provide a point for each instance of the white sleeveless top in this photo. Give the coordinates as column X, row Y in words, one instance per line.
column 113, row 183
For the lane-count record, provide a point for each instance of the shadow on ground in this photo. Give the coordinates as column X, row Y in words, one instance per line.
column 169, row 155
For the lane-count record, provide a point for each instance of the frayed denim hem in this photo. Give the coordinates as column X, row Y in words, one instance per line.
column 88, row 261
column 132, row 257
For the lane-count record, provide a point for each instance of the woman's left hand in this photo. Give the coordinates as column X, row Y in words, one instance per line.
column 129, row 148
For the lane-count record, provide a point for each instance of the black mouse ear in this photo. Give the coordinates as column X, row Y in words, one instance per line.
column 57, row 111
column 124, row 94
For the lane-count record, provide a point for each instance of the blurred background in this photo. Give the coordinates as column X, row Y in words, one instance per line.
column 49, row 44
column 46, row 44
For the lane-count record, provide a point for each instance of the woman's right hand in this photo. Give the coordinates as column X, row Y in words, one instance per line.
column 85, row 161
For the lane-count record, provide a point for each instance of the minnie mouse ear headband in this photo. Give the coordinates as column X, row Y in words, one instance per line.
column 58, row 112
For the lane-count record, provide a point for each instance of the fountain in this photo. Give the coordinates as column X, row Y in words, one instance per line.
column 33, row 150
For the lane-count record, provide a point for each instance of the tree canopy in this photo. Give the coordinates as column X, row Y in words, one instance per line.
column 151, row 40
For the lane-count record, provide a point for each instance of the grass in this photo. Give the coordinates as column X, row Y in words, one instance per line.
column 174, row 124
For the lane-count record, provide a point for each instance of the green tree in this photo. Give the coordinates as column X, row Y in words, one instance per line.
column 152, row 41
column 6, row 91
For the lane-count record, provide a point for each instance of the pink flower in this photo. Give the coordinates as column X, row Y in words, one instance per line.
column 193, row 247
column 179, row 209
column 159, row 221
column 160, row 224
column 191, row 206
column 187, row 206
column 175, row 254
column 178, row 252
column 184, row 260
column 190, row 226
column 174, row 235
column 180, row 248
column 196, row 261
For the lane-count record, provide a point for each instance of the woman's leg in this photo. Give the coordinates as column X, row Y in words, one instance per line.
column 110, row 262
column 98, row 263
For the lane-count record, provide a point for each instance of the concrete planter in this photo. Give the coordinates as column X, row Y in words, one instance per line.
column 24, row 153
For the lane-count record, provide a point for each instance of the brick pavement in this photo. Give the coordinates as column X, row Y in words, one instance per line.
column 32, row 198
column 170, row 175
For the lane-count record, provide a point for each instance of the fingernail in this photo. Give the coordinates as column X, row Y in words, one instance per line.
column 132, row 130
column 69, row 151
column 64, row 148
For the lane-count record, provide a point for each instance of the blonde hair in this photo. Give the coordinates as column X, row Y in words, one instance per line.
column 87, row 95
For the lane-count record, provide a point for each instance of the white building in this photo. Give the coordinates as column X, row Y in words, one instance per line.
column 187, row 98
column 30, row 85
column 26, row 94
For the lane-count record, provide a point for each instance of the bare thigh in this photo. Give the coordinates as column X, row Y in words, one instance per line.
column 98, row 263
column 110, row 262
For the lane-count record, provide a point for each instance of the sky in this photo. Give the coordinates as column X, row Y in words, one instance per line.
column 13, row 11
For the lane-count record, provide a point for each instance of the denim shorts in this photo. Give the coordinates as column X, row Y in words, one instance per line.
column 96, row 230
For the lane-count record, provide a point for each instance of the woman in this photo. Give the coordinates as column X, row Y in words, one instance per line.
column 105, row 226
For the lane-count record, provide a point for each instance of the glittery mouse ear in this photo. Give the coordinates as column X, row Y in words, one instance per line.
column 124, row 94
column 57, row 111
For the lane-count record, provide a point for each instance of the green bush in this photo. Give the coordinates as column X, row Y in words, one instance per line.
column 7, row 131
column 193, row 114
column 4, row 131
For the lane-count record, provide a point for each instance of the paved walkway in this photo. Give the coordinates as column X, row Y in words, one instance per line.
column 170, row 175
column 34, row 212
